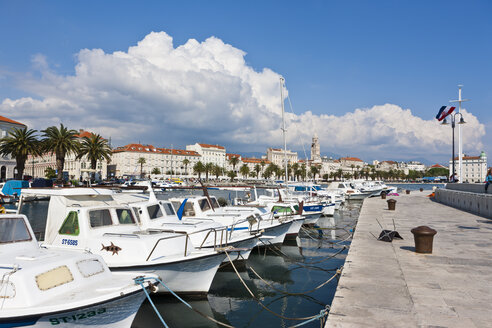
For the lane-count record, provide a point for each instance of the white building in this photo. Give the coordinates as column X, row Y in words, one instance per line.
column 74, row 167
column 7, row 164
column 416, row 166
column 276, row 156
column 126, row 160
column 214, row 154
column 474, row 168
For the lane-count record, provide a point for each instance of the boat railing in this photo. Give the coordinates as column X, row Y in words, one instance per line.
column 116, row 234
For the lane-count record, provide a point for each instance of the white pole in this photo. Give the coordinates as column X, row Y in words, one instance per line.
column 460, row 142
column 283, row 127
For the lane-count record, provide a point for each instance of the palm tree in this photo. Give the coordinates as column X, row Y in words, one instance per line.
column 233, row 161
column 244, row 170
column 295, row 169
column 185, row 163
column 141, row 161
column 314, row 171
column 257, row 169
column 199, row 168
column 232, row 175
column 208, row 168
column 340, row 173
column 217, row 171
column 95, row 148
column 19, row 144
column 156, row 170
column 61, row 142
column 262, row 163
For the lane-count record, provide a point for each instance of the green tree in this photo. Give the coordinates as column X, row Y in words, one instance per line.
column 437, row 172
column 156, row 170
column 340, row 173
column 186, row 162
column 94, row 148
column 233, row 161
column 232, row 175
column 244, row 170
column 262, row 163
column 208, row 168
column 141, row 161
column 19, row 143
column 295, row 170
column 314, row 171
column 217, row 171
column 199, row 168
column 49, row 173
column 257, row 169
column 61, row 142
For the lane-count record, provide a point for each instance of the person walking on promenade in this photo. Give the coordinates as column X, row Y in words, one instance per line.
column 488, row 179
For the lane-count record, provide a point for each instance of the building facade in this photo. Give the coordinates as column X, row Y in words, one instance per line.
column 276, row 156
column 315, row 150
column 474, row 168
column 167, row 161
column 8, row 165
column 214, row 154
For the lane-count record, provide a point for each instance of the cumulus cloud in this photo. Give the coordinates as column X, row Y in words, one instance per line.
column 205, row 91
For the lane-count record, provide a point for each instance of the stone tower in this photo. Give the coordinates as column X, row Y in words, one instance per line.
column 315, row 149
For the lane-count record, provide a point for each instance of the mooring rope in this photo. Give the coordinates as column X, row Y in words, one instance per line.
column 262, row 305
column 140, row 280
column 338, row 272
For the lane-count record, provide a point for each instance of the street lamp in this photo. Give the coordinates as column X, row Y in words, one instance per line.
column 453, row 123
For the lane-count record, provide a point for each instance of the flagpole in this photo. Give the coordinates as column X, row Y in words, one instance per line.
column 460, row 141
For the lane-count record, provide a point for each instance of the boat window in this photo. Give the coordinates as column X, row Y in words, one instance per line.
column 100, row 218
column 341, row 185
column 296, row 207
column 71, row 225
column 176, row 204
column 154, row 211
column 90, row 267
column 215, row 204
column 125, row 216
column 282, row 209
column 54, row 278
column 188, row 209
column 169, row 209
column 13, row 230
column 204, row 204
column 137, row 213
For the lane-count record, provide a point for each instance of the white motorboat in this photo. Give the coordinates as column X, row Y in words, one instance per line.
column 252, row 219
column 46, row 287
column 159, row 215
column 350, row 191
column 89, row 218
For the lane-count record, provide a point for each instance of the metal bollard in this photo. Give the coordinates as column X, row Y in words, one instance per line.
column 383, row 195
column 391, row 204
column 424, row 237
column 407, row 191
column 421, row 189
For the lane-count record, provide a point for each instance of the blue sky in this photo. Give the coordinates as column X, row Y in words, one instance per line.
column 336, row 56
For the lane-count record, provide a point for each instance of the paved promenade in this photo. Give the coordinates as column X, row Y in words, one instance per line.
column 389, row 285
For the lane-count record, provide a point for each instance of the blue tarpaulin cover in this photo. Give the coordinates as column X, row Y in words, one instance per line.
column 13, row 186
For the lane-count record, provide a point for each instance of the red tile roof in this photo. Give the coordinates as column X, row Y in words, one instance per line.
column 353, row 159
column 151, row 149
column 468, row 157
column 390, row 162
column 211, row 146
column 438, row 166
column 8, row 120
column 255, row 160
column 229, row 156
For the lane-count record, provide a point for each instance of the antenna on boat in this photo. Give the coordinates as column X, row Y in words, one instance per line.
column 282, row 80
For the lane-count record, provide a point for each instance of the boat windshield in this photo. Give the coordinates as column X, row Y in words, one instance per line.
column 154, row 211
column 125, row 216
column 13, row 230
column 168, row 207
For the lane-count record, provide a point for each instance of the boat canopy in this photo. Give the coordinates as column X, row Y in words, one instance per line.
column 12, row 187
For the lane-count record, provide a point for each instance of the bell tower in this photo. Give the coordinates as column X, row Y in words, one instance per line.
column 315, row 149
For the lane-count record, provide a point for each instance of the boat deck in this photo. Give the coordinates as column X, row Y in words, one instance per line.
column 389, row 285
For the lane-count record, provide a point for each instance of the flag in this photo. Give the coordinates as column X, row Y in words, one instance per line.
column 443, row 112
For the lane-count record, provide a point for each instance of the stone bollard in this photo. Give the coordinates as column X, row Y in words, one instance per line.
column 407, row 191
column 391, row 204
column 383, row 195
column 424, row 236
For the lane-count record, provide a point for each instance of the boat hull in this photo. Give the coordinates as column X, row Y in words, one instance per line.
column 189, row 276
column 118, row 312
column 275, row 234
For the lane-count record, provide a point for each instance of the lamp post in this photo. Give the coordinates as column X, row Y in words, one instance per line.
column 453, row 124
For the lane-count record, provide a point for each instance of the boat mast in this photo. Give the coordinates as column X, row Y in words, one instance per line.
column 283, row 126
